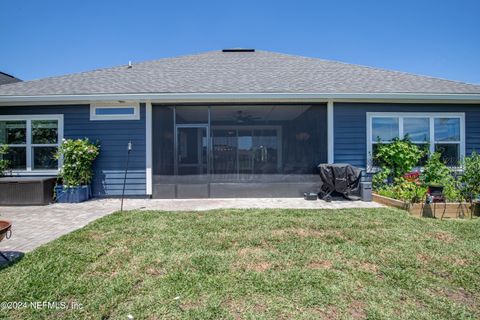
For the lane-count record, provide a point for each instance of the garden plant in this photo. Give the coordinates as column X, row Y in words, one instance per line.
column 395, row 178
column 4, row 163
column 78, row 156
column 470, row 180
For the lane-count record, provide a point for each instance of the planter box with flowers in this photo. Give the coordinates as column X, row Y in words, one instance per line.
column 76, row 173
column 431, row 210
column 435, row 191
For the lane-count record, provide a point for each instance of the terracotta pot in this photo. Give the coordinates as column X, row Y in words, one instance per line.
column 5, row 227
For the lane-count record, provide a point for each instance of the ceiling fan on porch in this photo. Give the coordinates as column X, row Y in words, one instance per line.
column 241, row 117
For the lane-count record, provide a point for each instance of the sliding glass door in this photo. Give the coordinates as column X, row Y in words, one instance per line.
column 192, row 150
column 241, row 152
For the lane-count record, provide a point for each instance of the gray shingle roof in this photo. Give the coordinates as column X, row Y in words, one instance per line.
column 238, row 72
column 6, row 78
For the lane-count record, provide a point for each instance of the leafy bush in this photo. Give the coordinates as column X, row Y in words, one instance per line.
column 411, row 187
column 471, row 177
column 399, row 156
column 409, row 191
column 387, row 191
column 380, row 179
column 435, row 172
column 4, row 164
column 78, row 156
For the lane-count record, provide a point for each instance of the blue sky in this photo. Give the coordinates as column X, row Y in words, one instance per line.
column 50, row 37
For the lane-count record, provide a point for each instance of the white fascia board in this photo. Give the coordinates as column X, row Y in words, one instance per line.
column 246, row 97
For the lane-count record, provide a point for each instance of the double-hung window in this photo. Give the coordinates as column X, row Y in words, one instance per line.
column 32, row 141
column 435, row 132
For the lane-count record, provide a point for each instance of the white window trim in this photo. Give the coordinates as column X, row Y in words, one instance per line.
column 29, row 118
column 96, row 117
column 430, row 115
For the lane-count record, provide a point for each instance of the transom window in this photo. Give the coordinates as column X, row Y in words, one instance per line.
column 32, row 141
column 435, row 132
column 115, row 112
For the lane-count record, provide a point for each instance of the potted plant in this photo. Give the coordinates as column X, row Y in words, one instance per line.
column 76, row 172
column 4, row 164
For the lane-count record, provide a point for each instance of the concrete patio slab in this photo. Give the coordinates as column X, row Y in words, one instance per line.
column 250, row 203
column 37, row 225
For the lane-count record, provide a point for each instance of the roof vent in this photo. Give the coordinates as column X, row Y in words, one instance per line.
column 238, row 50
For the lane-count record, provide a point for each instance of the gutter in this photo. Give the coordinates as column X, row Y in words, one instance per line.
column 245, row 97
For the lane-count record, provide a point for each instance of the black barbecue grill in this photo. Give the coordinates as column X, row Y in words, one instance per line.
column 340, row 178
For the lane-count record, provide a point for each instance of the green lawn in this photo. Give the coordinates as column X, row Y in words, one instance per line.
column 265, row 264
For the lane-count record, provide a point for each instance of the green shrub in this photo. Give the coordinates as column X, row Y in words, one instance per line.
column 387, row 191
column 409, row 191
column 399, row 156
column 436, row 172
column 4, row 164
column 471, row 177
column 78, row 156
column 380, row 179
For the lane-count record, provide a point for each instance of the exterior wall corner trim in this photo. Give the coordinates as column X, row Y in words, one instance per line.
column 148, row 147
column 330, row 132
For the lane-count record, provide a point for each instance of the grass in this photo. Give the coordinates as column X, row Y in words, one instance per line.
column 262, row 264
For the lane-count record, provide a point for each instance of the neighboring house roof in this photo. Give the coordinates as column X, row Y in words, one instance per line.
column 238, row 72
column 6, row 78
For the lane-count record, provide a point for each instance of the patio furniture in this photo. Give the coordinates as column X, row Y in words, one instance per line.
column 5, row 232
column 26, row 190
column 341, row 178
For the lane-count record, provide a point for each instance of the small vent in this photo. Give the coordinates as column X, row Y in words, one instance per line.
column 238, row 50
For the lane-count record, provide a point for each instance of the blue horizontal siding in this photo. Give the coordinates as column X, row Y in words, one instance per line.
column 350, row 126
column 113, row 136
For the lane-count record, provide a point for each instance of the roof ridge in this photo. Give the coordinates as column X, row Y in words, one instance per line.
column 259, row 71
column 8, row 75
column 259, row 51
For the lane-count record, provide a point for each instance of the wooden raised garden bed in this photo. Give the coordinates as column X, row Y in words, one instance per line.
column 434, row 210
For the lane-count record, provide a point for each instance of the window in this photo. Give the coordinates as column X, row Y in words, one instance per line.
column 384, row 129
column 32, row 141
column 114, row 112
column 435, row 132
column 447, row 139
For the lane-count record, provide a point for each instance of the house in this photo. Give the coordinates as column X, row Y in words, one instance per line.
column 5, row 78
column 235, row 122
